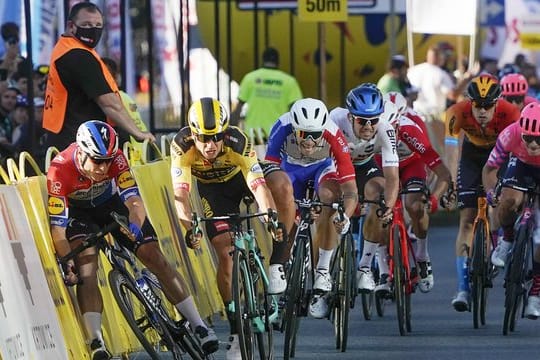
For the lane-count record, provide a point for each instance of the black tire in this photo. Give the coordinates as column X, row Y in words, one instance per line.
column 368, row 299
column 515, row 279
column 295, row 296
column 478, row 274
column 243, row 304
column 343, row 290
column 380, row 304
column 265, row 339
column 145, row 322
column 399, row 282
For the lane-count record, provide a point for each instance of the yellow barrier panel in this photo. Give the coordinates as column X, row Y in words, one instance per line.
column 24, row 158
column 133, row 154
column 13, row 171
column 198, row 269
column 51, row 153
column 4, row 175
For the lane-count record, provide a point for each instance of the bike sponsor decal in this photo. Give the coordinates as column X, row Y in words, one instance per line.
column 56, row 186
column 57, row 206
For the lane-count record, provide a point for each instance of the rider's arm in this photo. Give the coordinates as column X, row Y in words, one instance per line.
column 350, row 197
column 443, row 180
column 390, row 164
column 61, row 245
column 391, row 188
column 183, row 207
column 451, row 141
column 137, row 212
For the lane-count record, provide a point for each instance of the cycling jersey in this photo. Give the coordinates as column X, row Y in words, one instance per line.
column 69, row 188
column 510, row 142
column 282, row 145
column 459, row 117
column 237, row 155
column 413, row 142
column 383, row 140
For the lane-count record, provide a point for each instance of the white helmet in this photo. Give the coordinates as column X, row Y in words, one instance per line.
column 391, row 113
column 309, row 115
column 398, row 99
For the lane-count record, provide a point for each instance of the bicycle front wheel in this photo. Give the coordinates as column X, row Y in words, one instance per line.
column 144, row 320
column 399, row 281
column 243, row 297
column 479, row 273
column 344, row 285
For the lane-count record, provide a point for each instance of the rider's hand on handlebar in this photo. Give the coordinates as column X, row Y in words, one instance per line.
column 449, row 199
column 433, row 204
column 342, row 226
column 492, row 198
column 69, row 273
column 386, row 216
column 193, row 241
column 274, row 227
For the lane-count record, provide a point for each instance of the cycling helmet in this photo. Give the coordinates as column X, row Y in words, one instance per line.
column 391, row 113
column 484, row 89
column 309, row 115
column 530, row 120
column 97, row 139
column 208, row 116
column 397, row 99
column 514, row 85
column 365, row 100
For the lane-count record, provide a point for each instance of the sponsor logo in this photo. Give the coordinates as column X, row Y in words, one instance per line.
column 121, row 163
column 255, row 183
column 414, row 142
column 176, row 172
column 372, row 170
column 57, row 205
column 125, row 180
column 56, row 186
column 181, row 186
column 392, row 137
column 256, row 168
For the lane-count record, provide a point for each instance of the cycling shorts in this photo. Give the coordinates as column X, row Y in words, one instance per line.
column 414, row 172
column 300, row 175
column 366, row 172
column 473, row 159
column 519, row 174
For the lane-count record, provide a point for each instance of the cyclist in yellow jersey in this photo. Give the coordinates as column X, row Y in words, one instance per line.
column 225, row 168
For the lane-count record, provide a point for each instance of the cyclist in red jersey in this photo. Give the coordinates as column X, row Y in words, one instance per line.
column 519, row 142
column 86, row 182
column 480, row 118
column 514, row 90
column 415, row 153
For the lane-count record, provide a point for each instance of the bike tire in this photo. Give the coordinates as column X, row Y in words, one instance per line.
column 380, row 304
column 243, row 296
column 478, row 274
column 146, row 324
column 399, row 281
column 265, row 339
column 294, row 297
column 347, row 284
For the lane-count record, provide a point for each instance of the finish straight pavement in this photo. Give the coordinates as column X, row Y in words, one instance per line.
column 438, row 331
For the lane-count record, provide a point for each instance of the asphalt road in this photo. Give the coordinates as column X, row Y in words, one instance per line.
column 438, row 332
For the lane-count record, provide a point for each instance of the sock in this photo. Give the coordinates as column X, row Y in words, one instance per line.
column 189, row 311
column 382, row 259
column 324, row 259
column 367, row 254
column 421, row 250
column 462, row 273
column 92, row 323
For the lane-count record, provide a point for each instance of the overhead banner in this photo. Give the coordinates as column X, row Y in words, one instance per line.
column 322, row 10
column 454, row 17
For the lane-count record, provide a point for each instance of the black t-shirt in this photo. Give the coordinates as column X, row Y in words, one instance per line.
column 83, row 78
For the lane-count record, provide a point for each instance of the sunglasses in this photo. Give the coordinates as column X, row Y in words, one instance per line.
column 515, row 99
column 100, row 161
column 366, row 121
column 306, row 135
column 530, row 138
column 207, row 138
column 482, row 105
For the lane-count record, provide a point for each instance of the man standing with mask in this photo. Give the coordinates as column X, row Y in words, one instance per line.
column 79, row 86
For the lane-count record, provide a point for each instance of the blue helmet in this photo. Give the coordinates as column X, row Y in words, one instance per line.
column 97, row 139
column 365, row 100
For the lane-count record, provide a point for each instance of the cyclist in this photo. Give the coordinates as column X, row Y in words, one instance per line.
column 86, row 182
column 415, row 153
column 481, row 118
column 307, row 145
column 519, row 142
column 225, row 167
column 367, row 130
column 514, row 90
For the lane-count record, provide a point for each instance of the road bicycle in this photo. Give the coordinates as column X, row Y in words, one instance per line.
column 140, row 298
column 518, row 273
column 254, row 309
column 481, row 271
column 343, row 270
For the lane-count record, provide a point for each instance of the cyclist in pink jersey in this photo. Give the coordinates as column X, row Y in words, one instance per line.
column 519, row 144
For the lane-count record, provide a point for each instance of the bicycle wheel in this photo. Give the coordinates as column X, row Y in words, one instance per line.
column 243, row 297
column 294, row 297
column 146, row 323
column 265, row 341
column 399, row 281
column 515, row 279
column 478, row 271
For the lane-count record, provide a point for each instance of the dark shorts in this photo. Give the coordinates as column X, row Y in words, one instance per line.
column 519, row 175
column 471, row 163
column 220, row 199
column 365, row 172
column 87, row 221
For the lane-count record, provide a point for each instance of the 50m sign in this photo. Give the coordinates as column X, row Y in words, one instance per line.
column 322, row 10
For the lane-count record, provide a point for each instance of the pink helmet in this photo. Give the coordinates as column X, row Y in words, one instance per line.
column 398, row 100
column 514, row 84
column 530, row 119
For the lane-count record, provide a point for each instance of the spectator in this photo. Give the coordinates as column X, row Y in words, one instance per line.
column 40, row 80
column 38, row 148
column 435, row 86
column 19, row 117
column 20, row 81
column 268, row 93
column 129, row 104
column 8, row 100
column 11, row 57
column 395, row 78
column 77, row 69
